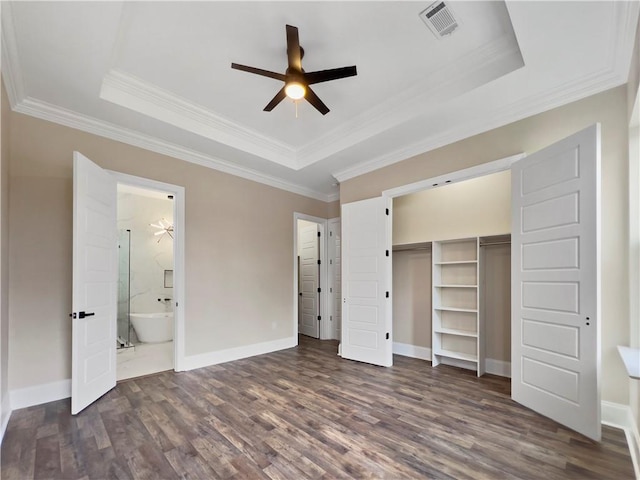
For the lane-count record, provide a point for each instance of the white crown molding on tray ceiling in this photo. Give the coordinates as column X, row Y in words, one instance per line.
column 614, row 75
column 621, row 51
column 484, row 63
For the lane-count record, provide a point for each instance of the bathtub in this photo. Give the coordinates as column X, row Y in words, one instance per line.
column 153, row 327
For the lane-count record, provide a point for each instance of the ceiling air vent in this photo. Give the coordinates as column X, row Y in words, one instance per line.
column 439, row 18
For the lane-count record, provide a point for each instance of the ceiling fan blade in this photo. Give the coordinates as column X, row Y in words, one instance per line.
column 275, row 100
column 331, row 74
column 293, row 48
column 314, row 100
column 258, row 71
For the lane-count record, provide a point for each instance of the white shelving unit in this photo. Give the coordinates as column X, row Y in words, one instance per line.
column 457, row 325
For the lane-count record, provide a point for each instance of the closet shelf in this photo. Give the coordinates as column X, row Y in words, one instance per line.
column 458, row 355
column 453, row 331
column 456, row 286
column 455, row 309
column 457, row 262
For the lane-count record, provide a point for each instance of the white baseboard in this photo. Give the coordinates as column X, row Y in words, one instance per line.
column 213, row 358
column 413, row 351
column 492, row 366
column 4, row 417
column 497, row 367
column 49, row 392
column 620, row 416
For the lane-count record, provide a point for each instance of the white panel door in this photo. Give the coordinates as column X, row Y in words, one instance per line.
column 95, row 277
column 309, row 280
column 366, row 282
column 556, row 282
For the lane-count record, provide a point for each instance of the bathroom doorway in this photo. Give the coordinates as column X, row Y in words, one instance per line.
column 145, row 325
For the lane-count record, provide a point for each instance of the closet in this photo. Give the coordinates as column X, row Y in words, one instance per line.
column 452, row 275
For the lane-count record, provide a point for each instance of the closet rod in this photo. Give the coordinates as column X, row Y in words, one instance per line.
column 494, row 243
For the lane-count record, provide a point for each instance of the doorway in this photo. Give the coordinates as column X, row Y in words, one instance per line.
column 312, row 286
column 145, row 324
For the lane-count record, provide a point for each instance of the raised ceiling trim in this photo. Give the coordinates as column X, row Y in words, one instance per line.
column 141, row 96
column 502, row 52
column 512, row 113
column 68, row 118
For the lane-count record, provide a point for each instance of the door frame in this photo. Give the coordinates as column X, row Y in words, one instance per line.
column 178, row 193
column 325, row 332
column 476, row 171
column 332, row 304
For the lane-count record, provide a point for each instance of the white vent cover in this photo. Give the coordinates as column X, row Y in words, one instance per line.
column 439, row 18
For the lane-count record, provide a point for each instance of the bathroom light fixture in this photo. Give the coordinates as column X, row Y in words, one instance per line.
column 166, row 228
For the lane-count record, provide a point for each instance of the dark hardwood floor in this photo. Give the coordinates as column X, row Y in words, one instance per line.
column 305, row 413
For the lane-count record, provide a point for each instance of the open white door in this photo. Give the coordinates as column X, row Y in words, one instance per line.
column 95, row 277
column 310, row 280
column 555, row 347
column 366, row 281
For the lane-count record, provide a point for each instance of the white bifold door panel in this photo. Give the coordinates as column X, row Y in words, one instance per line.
column 95, row 277
column 366, row 281
column 556, row 282
column 309, row 280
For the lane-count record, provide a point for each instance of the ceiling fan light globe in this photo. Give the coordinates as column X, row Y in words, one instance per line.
column 295, row 90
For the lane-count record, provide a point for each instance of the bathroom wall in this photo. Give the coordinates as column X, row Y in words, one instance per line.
column 151, row 255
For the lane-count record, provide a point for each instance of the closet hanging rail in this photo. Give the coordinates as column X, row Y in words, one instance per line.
column 494, row 243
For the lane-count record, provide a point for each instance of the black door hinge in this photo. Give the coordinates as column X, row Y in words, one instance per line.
column 319, row 262
column 387, row 295
column 319, row 290
column 319, row 318
column 387, row 335
column 386, row 252
column 386, row 211
column 318, row 233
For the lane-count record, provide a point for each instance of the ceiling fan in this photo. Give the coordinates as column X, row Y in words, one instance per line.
column 296, row 80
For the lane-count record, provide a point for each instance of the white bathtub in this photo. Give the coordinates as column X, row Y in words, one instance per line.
column 153, row 327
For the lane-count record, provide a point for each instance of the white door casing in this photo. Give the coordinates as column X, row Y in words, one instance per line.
column 335, row 278
column 95, row 278
column 556, row 316
column 309, row 280
column 366, row 281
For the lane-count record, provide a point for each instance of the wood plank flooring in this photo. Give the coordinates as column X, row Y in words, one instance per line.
column 305, row 413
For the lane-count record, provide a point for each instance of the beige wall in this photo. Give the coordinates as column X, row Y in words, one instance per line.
column 239, row 243
column 4, row 256
column 476, row 207
column 412, row 297
column 530, row 135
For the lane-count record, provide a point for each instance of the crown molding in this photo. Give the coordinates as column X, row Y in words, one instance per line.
column 511, row 113
column 615, row 74
column 11, row 70
column 141, row 96
column 68, row 118
column 499, row 57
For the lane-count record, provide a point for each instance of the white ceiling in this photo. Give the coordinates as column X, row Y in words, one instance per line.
column 157, row 75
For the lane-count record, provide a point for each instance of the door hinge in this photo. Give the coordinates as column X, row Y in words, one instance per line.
column 319, row 262
column 386, row 252
column 387, row 335
column 330, row 233
column 386, row 211
column 330, row 262
column 319, row 290
column 330, row 290
column 319, row 318
column 387, row 295
column 318, row 233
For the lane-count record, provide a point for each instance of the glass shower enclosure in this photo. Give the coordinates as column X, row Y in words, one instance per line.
column 124, row 289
